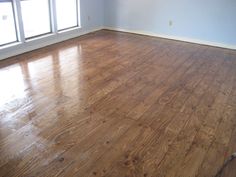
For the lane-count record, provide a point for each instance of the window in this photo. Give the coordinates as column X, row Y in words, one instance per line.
column 67, row 13
column 36, row 18
column 7, row 23
column 25, row 19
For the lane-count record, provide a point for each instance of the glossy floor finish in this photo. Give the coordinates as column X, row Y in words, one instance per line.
column 118, row 105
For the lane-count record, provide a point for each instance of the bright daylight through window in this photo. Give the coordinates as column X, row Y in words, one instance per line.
column 33, row 18
column 66, row 13
column 36, row 18
column 7, row 23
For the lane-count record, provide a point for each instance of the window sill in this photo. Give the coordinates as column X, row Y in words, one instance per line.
column 14, row 44
column 69, row 29
column 10, row 45
column 39, row 37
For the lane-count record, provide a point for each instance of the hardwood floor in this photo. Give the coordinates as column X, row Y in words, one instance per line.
column 118, row 105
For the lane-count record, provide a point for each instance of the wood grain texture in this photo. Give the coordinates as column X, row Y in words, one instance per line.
column 118, row 105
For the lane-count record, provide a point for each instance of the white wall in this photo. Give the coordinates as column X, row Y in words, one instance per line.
column 92, row 8
column 201, row 21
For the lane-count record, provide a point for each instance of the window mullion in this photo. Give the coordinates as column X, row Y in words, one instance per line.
column 78, row 13
column 53, row 15
column 19, row 20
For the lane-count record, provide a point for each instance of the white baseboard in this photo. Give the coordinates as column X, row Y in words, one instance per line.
column 52, row 39
column 20, row 48
column 195, row 41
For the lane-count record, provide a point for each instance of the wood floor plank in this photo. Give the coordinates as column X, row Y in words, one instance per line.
column 138, row 146
column 177, row 148
column 221, row 137
column 148, row 147
column 118, row 104
column 206, row 131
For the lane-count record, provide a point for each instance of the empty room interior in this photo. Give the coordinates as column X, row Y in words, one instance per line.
column 117, row 88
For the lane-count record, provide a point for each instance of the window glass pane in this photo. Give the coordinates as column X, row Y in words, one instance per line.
column 66, row 13
column 7, row 23
column 36, row 18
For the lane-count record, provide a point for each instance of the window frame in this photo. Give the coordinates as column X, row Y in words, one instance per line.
column 19, row 26
column 15, row 24
column 77, row 18
column 50, row 23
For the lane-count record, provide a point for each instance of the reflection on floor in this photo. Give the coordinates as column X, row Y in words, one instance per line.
column 116, row 104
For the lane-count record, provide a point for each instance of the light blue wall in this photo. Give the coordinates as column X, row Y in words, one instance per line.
column 207, row 20
column 95, row 10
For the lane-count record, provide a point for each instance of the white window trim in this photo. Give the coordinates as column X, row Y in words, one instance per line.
column 18, row 20
column 53, row 22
